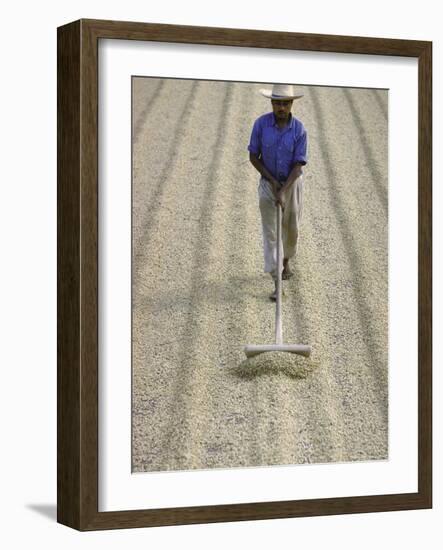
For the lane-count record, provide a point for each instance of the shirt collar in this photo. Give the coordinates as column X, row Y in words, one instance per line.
column 289, row 125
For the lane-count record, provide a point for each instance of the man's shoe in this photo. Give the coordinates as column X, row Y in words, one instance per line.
column 286, row 274
column 273, row 296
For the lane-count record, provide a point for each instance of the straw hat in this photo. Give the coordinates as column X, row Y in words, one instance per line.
column 281, row 91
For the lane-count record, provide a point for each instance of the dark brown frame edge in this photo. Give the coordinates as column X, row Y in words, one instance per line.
column 77, row 251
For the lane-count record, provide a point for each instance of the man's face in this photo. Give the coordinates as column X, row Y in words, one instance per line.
column 281, row 108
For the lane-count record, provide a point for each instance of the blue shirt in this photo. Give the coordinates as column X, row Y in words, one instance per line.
column 280, row 148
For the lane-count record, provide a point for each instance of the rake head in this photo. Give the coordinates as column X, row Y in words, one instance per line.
column 300, row 349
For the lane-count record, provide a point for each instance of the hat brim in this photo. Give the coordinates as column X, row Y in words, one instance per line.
column 269, row 95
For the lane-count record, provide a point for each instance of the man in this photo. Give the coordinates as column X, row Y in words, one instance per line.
column 278, row 150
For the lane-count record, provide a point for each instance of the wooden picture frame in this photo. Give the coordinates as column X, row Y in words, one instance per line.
column 77, row 276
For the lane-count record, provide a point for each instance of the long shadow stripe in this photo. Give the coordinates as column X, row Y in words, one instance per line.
column 185, row 377
column 299, row 307
column 153, row 208
column 143, row 115
column 227, row 443
column 363, row 311
column 238, row 246
column 380, row 102
column 377, row 177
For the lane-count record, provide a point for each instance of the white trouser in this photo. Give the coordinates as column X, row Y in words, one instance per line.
column 290, row 222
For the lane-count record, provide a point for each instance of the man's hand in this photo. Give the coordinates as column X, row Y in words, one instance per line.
column 274, row 184
column 277, row 190
column 280, row 198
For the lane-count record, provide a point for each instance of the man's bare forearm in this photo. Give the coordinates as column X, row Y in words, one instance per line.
column 294, row 174
column 261, row 168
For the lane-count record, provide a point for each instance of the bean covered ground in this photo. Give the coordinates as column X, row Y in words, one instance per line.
column 199, row 293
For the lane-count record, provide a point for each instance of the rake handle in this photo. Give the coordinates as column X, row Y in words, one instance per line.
column 278, row 320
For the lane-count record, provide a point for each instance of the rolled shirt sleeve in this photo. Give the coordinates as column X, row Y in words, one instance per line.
column 254, row 143
column 301, row 149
